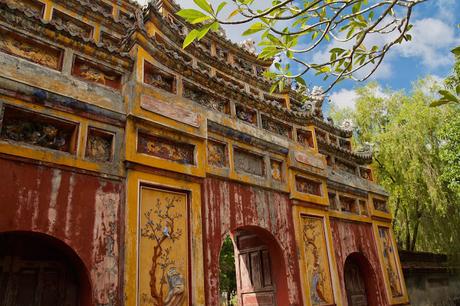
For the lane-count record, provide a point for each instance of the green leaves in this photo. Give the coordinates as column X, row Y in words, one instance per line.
column 447, row 97
column 193, row 16
column 205, row 6
column 196, row 17
column 456, row 51
column 254, row 28
column 197, row 34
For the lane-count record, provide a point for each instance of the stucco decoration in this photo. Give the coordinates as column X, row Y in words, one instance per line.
column 276, row 170
column 217, row 154
column 182, row 153
column 305, row 185
column 276, row 127
column 163, row 248
column 390, row 262
column 316, row 259
column 248, row 45
column 34, row 52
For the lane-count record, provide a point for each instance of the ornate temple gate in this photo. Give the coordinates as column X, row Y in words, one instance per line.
column 140, row 157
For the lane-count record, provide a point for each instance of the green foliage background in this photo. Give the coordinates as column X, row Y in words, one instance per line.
column 417, row 160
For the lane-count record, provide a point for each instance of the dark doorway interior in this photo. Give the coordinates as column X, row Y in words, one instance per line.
column 36, row 271
column 355, row 283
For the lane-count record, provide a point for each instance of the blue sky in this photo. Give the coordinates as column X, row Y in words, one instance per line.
column 435, row 33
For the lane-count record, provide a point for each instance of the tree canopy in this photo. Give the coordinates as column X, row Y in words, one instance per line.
column 357, row 33
column 415, row 147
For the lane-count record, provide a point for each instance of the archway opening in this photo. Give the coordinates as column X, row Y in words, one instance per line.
column 38, row 270
column 259, row 267
column 227, row 274
column 360, row 281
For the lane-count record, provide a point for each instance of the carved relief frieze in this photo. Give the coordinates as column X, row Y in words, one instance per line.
column 276, row 170
column 217, row 154
column 243, row 64
column 28, row 5
column 390, row 262
column 346, row 144
column 221, row 54
column 182, row 153
column 163, row 245
column 233, row 82
column 155, row 77
column 110, row 41
column 279, row 100
column 28, row 49
column 276, row 127
column 380, row 205
column 365, row 173
column 73, row 25
column 246, row 114
column 308, row 186
column 38, row 130
column 99, row 145
column 320, row 136
column 316, row 261
column 206, row 99
column 248, row 162
column 95, row 73
column 305, row 138
column 344, row 166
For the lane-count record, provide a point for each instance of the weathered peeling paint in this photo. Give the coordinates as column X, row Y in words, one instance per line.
column 349, row 238
column 80, row 210
column 231, row 206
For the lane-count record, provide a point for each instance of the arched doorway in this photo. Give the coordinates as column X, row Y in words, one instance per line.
column 359, row 281
column 227, row 274
column 260, row 271
column 37, row 270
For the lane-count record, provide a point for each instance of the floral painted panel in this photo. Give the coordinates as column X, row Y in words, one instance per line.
column 163, row 248
column 390, row 262
column 316, row 259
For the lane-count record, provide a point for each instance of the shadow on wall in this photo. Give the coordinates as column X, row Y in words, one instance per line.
column 430, row 279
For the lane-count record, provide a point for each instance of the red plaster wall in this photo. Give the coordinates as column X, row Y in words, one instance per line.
column 228, row 206
column 81, row 210
column 350, row 237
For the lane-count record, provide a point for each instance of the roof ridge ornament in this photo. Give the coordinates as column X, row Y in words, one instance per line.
column 249, row 45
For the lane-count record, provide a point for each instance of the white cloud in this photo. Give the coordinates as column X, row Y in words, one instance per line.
column 431, row 40
column 344, row 98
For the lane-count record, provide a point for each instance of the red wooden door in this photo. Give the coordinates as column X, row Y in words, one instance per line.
column 254, row 276
column 355, row 285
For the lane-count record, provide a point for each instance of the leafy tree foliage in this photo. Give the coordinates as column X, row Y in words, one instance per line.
column 360, row 33
column 227, row 277
column 413, row 144
column 451, row 94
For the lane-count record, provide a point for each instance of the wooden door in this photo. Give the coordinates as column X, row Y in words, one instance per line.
column 254, row 276
column 29, row 277
column 355, row 285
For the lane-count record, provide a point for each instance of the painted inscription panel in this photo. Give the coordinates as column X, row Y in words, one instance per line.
column 390, row 262
column 316, row 259
column 247, row 162
column 163, row 248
